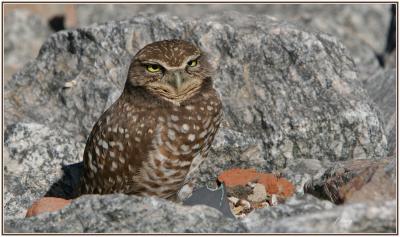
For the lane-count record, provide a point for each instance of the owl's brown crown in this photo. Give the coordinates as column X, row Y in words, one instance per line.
column 173, row 70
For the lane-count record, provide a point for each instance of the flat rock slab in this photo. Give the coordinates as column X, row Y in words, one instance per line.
column 120, row 213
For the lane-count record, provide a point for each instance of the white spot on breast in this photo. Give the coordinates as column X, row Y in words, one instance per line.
column 142, row 125
column 120, row 146
column 121, row 130
column 171, row 134
column 111, row 180
column 203, row 134
column 121, row 159
column 198, row 117
column 107, row 118
column 191, row 137
column 137, row 139
column 119, row 179
column 114, row 166
column 92, row 167
column 130, row 168
column 184, row 147
column 112, row 154
column 195, row 127
column 185, row 128
column 112, row 144
column 209, row 107
column 97, row 150
column 189, row 107
column 161, row 119
column 150, row 131
column 174, row 118
column 201, row 108
column 109, row 129
column 115, row 129
column 103, row 144
column 127, row 135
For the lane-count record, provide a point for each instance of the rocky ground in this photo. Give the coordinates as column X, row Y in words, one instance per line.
column 307, row 95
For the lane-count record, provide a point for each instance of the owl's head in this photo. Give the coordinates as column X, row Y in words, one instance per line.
column 171, row 69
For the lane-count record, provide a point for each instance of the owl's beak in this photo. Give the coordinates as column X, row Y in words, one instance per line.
column 177, row 80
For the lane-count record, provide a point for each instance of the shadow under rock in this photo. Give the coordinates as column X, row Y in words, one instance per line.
column 68, row 186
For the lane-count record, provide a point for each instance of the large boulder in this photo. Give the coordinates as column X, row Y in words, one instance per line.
column 120, row 213
column 363, row 28
column 34, row 160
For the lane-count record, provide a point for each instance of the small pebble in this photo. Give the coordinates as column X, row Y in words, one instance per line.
column 70, row 84
column 245, row 204
column 274, row 200
column 233, row 200
column 237, row 210
column 250, row 184
column 259, row 193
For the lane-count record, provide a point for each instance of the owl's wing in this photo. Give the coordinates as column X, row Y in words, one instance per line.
column 114, row 152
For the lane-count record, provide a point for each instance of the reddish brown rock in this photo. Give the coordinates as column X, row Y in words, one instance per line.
column 356, row 181
column 241, row 177
column 238, row 177
column 47, row 204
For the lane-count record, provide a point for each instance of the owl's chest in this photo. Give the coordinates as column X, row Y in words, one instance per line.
column 182, row 136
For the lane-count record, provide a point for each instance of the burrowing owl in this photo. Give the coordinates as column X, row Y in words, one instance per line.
column 161, row 127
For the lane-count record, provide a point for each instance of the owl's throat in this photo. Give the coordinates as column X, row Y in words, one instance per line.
column 176, row 93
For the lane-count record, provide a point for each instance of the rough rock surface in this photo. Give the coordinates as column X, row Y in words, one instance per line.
column 356, row 181
column 382, row 90
column 355, row 218
column 23, row 35
column 120, row 213
column 34, row 161
column 289, row 96
column 361, row 27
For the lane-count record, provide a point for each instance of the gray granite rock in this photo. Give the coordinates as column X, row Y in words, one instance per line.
column 355, row 218
column 294, row 206
column 363, row 28
column 24, row 33
column 381, row 87
column 120, row 213
column 34, row 158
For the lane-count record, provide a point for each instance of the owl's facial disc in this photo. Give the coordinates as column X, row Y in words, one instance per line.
column 177, row 83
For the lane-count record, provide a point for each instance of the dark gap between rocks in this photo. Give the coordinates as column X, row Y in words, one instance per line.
column 390, row 38
column 57, row 23
column 68, row 186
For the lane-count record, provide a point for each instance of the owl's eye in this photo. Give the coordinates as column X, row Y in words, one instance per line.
column 153, row 68
column 192, row 63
